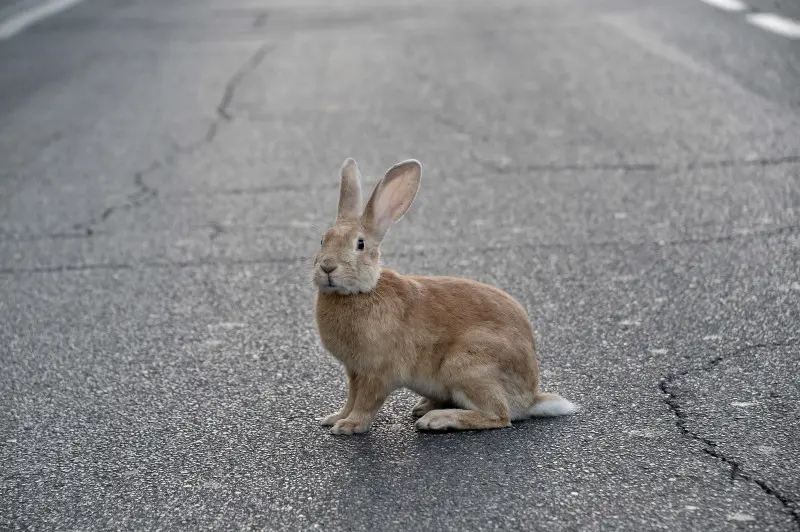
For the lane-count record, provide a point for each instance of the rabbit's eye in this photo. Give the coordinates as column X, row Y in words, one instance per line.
column 360, row 243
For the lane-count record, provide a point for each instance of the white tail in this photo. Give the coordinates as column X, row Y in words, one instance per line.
column 550, row 404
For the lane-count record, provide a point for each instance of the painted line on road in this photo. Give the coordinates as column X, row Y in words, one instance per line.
column 727, row 5
column 783, row 26
column 776, row 24
column 29, row 17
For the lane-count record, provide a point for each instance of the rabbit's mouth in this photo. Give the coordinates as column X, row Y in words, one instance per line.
column 328, row 284
column 344, row 283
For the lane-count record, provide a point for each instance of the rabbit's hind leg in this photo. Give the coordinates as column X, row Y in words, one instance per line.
column 485, row 408
column 426, row 404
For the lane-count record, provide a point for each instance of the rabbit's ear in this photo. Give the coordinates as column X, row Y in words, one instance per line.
column 350, row 191
column 392, row 197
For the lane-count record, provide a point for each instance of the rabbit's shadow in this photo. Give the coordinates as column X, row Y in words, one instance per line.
column 426, row 466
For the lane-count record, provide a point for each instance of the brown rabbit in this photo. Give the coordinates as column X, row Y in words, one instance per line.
column 467, row 348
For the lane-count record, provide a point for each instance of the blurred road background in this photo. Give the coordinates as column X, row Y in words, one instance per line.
column 627, row 169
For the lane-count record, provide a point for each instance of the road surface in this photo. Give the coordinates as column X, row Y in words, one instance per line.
column 628, row 170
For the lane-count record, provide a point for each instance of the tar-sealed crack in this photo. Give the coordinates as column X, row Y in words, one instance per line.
column 673, row 400
column 145, row 192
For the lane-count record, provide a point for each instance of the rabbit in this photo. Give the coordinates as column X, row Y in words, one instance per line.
column 466, row 347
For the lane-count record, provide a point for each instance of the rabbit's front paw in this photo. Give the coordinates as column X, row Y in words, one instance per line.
column 330, row 420
column 349, row 426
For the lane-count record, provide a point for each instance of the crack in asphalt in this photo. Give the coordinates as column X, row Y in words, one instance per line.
column 223, row 109
column 628, row 167
column 69, row 268
column 613, row 166
column 772, row 231
column 269, row 189
column 48, row 236
column 178, row 264
column 145, row 192
column 261, row 20
column 586, row 167
column 217, row 229
column 637, row 167
column 710, row 447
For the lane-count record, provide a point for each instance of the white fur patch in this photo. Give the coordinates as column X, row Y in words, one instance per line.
column 553, row 407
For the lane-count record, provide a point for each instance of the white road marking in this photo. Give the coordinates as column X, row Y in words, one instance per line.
column 776, row 24
column 24, row 19
column 727, row 5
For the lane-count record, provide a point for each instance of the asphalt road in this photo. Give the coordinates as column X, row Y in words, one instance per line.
column 629, row 170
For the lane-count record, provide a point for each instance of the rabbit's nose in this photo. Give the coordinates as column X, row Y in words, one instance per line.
column 327, row 266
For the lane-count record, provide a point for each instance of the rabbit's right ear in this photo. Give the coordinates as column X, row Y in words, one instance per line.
column 350, row 191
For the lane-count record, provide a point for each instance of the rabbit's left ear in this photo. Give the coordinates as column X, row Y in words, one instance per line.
column 392, row 197
column 349, row 191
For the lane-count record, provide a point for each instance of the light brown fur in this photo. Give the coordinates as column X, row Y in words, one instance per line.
column 456, row 342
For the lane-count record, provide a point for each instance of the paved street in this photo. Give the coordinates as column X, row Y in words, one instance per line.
column 629, row 170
